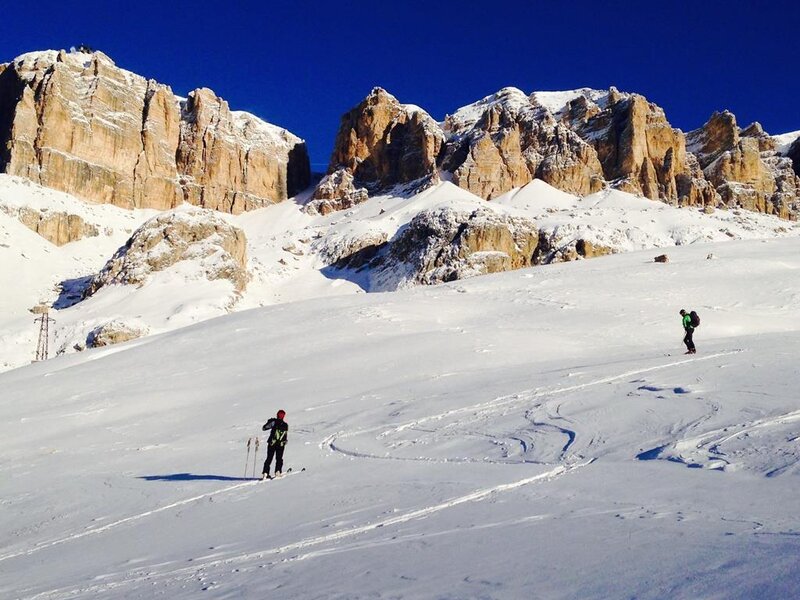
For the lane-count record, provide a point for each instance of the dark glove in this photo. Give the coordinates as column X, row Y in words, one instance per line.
column 268, row 424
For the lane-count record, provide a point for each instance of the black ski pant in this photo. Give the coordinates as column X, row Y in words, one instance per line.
column 277, row 452
column 687, row 339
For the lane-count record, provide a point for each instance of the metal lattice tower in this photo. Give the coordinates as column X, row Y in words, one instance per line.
column 42, row 348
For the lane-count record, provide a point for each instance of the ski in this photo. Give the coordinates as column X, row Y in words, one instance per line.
column 283, row 475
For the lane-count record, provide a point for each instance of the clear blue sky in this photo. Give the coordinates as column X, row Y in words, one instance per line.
column 302, row 63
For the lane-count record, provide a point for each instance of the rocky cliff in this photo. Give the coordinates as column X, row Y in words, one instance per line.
column 78, row 123
column 579, row 141
column 744, row 167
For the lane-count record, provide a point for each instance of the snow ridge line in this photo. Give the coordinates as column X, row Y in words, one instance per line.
column 332, row 537
column 96, row 530
column 330, row 441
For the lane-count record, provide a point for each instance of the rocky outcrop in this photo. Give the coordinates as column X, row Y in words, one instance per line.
column 446, row 245
column 58, row 228
column 336, row 191
column 640, row 151
column 214, row 248
column 766, row 143
column 504, row 141
column 382, row 142
column 114, row 332
column 560, row 245
column 745, row 169
column 78, row 123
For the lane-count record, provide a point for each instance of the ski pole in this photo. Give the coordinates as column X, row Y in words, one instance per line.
column 255, row 458
column 247, row 460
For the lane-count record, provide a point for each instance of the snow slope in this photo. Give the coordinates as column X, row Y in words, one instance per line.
column 533, row 434
column 289, row 250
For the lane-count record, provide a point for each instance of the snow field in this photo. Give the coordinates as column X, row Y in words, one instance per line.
column 537, row 433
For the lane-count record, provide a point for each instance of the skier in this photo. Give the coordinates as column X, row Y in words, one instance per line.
column 275, row 444
column 689, row 329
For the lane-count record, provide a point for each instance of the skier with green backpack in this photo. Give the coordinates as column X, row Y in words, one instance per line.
column 276, row 443
column 690, row 322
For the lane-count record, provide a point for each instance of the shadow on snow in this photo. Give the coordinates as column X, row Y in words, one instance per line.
column 193, row 477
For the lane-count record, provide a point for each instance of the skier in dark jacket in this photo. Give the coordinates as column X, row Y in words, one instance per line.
column 689, row 329
column 278, row 436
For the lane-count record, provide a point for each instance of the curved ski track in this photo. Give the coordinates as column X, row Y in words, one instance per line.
column 333, row 441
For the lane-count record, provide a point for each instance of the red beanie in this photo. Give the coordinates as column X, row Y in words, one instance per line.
column 281, row 414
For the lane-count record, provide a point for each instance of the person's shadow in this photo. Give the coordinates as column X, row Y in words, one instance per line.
column 193, row 477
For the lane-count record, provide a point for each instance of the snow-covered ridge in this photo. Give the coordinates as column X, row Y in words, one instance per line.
column 512, row 99
column 784, row 141
column 31, row 62
column 557, row 102
column 516, row 102
column 257, row 132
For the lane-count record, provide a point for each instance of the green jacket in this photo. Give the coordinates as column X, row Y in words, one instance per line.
column 687, row 322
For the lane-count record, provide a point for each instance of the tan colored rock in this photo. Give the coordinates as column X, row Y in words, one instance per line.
column 114, row 332
column 336, row 191
column 58, row 228
column 217, row 250
column 505, row 140
column 588, row 249
column 382, row 142
column 640, row 151
column 78, row 123
column 744, row 169
column 765, row 141
column 577, row 141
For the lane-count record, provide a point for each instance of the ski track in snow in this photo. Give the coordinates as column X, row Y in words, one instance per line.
column 333, row 444
column 106, row 527
column 197, row 567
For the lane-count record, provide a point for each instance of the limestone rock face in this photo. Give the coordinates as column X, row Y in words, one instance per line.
column 336, row 191
column 640, row 151
column 504, row 141
column 443, row 245
column 382, row 142
column 58, row 228
column 489, row 147
column 215, row 249
column 745, row 169
column 766, row 142
column 578, row 141
column 78, row 123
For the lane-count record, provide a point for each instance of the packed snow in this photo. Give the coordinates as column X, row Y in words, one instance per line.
column 536, row 433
